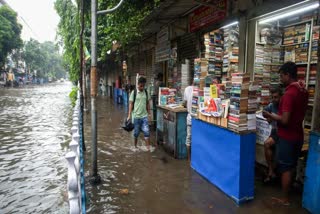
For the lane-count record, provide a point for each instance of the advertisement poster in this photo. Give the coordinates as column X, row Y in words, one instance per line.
column 207, row 15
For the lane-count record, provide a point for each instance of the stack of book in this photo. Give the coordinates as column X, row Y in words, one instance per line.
column 185, row 75
column 289, row 35
column 289, row 54
column 213, row 43
column 315, row 40
column 258, row 70
column 312, row 83
column 296, row 34
column 252, row 106
column 302, row 74
column 301, row 53
column 228, row 87
column 265, row 95
column 237, row 119
column 226, row 48
column 230, row 53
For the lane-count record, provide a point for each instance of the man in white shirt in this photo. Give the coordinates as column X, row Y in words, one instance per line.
column 187, row 97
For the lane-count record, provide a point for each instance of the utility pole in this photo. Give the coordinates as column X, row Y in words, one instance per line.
column 81, row 69
column 95, row 178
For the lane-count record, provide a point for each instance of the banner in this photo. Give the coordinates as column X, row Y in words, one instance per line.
column 206, row 15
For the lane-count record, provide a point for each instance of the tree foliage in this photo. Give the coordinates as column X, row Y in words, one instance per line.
column 69, row 32
column 44, row 58
column 123, row 26
column 10, row 31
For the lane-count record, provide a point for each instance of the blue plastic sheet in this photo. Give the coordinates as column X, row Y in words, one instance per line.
column 311, row 190
column 224, row 158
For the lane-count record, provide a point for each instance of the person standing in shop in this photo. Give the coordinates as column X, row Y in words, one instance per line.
column 187, row 97
column 292, row 109
column 270, row 143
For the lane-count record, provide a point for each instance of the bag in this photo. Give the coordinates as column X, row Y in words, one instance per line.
column 128, row 126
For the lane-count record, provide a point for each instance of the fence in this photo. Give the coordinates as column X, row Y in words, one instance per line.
column 76, row 183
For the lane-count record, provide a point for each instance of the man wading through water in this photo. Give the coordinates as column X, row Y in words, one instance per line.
column 139, row 109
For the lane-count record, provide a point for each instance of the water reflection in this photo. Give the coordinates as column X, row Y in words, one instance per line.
column 34, row 133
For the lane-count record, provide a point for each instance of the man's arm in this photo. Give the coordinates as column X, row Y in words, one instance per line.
column 283, row 119
column 131, row 98
column 130, row 110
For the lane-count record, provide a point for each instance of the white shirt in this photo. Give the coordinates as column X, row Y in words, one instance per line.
column 188, row 93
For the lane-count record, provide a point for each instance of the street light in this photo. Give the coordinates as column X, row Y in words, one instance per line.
column 95, row 178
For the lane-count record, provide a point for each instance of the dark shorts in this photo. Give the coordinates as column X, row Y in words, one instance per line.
column 287, row 154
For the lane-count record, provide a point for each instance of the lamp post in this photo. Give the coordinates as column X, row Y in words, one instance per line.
column 95, row 178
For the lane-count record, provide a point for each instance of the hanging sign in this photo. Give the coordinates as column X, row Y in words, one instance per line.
column 207, row 15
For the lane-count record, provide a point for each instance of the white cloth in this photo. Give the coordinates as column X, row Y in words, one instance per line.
column 188, row 93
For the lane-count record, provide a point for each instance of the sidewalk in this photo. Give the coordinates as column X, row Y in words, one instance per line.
column 157, row 183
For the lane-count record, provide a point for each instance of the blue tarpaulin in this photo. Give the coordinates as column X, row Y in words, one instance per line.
column 311, row 190
column 224, row 158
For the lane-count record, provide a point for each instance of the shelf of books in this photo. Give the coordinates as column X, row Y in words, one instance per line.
column 222, row 94
column 281, row 41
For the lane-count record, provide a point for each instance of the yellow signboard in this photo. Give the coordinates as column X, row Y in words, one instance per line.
column 214, row 91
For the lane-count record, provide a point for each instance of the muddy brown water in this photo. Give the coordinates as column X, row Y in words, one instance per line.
column 35, row 127
column 157, row 183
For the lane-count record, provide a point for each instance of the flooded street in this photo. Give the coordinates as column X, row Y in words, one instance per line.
column 156, row 183
column 35, row 133
column 35, row 127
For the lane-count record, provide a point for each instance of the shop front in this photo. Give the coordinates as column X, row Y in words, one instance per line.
column 233, row 78
column 289, row 34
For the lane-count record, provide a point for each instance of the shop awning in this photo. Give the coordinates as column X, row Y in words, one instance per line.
column 167, row 12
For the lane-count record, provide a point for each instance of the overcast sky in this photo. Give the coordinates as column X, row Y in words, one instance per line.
column 41, row 17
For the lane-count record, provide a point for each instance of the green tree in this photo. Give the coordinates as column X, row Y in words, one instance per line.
column 123, row 26
column 69, row 32
column 10, row 31
column 33, row 55
column 45, row 58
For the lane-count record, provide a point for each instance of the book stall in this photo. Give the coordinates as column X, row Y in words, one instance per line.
column 291, row 34
column 224, row 116
column 171, row 122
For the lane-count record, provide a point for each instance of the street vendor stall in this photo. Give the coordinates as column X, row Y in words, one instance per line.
column 224, row 110
column 172, row 130
column 225, row 158
column 171, row 123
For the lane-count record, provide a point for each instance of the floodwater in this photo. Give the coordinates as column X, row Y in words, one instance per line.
column 139, row 182
column 35, row 124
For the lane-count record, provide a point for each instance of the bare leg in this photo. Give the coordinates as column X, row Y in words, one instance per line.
column 286, row 178
column 269, row 155
column 147, row 142
column 136, row 142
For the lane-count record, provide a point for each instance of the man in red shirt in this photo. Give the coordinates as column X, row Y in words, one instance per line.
column 292, row 109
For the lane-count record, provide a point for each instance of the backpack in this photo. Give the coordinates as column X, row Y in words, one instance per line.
column 135, row 95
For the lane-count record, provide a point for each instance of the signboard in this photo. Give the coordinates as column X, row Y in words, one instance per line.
column 206, row 15
column 263, row 131
column 213, row 91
